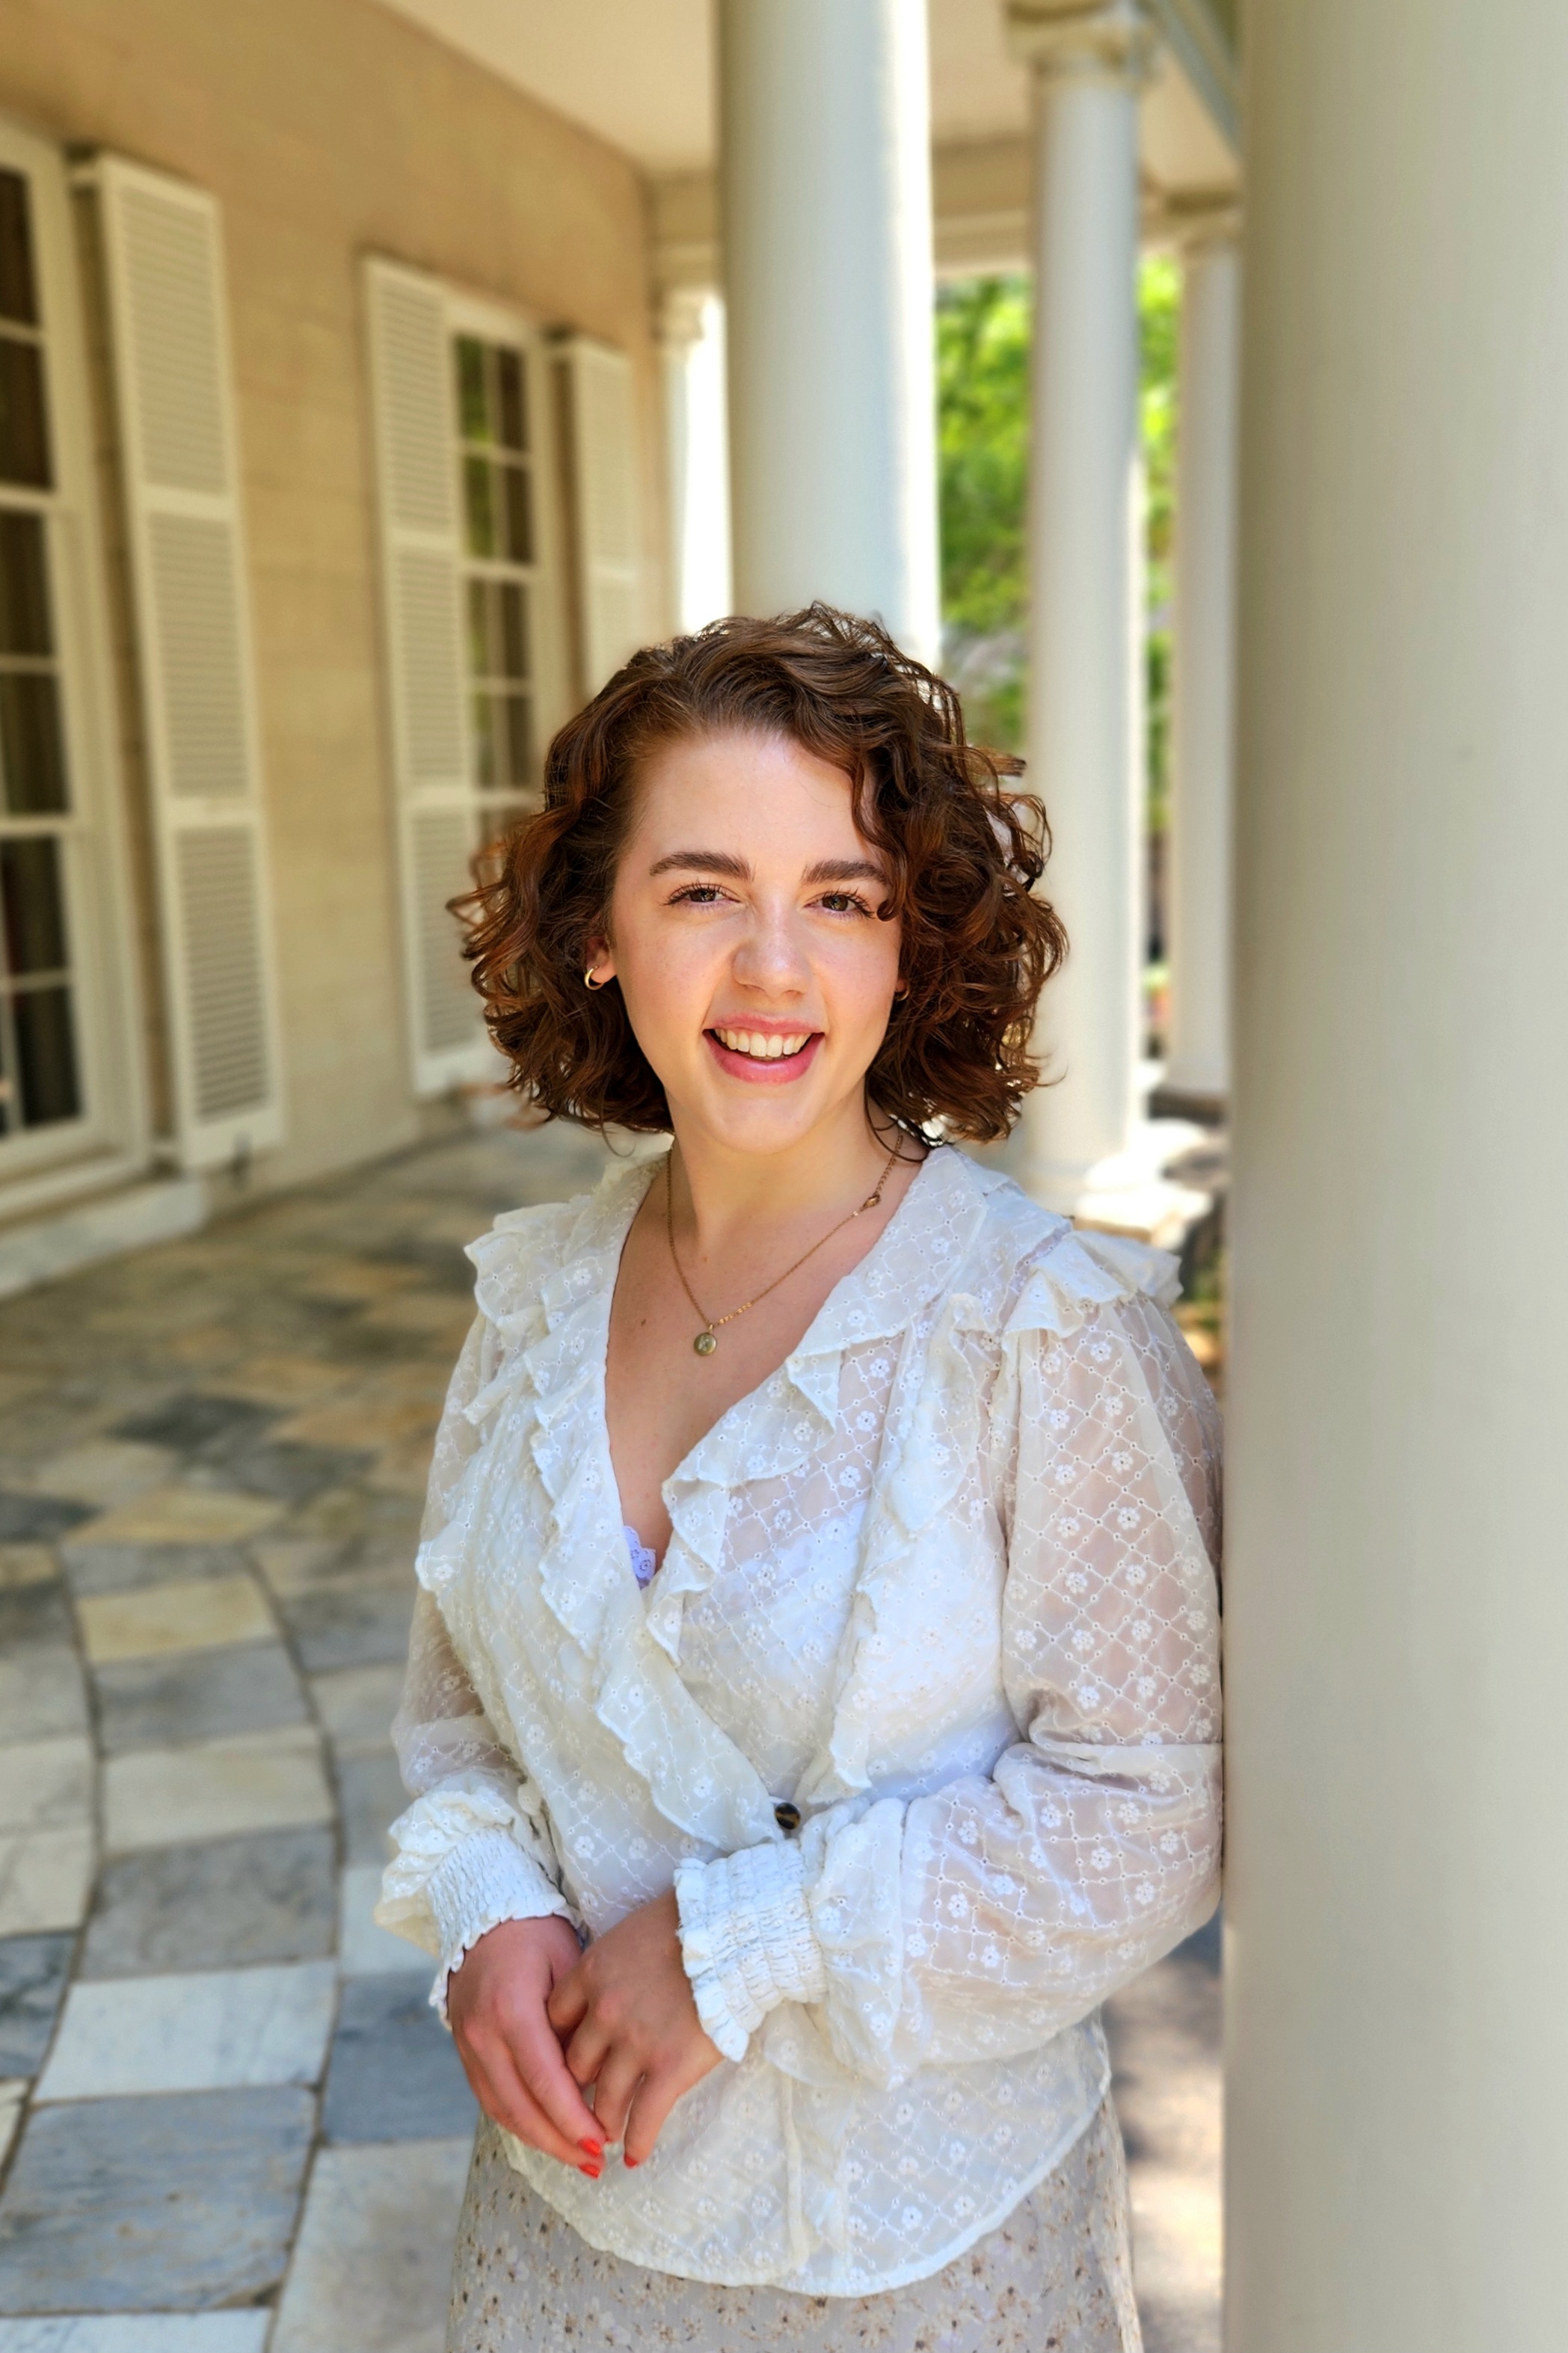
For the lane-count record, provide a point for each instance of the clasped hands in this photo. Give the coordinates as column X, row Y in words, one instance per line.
column 538, row 2023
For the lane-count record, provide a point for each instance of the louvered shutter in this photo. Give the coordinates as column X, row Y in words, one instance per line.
column 161, row 248
column 415, row 436
column 600, row 409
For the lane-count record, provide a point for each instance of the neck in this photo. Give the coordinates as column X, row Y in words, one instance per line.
column 718, row 1189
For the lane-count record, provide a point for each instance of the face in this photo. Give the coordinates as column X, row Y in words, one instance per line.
column 745, row 933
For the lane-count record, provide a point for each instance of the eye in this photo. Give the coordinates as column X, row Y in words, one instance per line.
column 844, row 902
column 697, row 894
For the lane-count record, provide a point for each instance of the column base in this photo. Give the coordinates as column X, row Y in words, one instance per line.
column 1129, row 1193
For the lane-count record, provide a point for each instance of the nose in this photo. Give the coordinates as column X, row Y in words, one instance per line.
column 771, row 959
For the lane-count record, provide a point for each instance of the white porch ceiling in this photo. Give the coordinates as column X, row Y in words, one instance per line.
column 640, row 73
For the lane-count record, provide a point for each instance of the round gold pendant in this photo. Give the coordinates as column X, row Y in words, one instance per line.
column 705, row 1343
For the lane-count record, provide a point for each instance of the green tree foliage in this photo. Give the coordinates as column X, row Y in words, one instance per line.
column 982, row 332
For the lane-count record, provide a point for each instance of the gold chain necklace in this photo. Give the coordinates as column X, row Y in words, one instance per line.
column 707, row 1339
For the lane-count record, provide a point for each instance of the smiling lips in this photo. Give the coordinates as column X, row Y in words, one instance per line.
column 763, row 1046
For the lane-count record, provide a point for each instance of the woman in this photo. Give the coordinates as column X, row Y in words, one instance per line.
column 812, row 1708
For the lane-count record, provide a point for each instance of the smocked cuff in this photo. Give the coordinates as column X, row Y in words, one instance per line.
column 747, row 1940
column 486, row 1879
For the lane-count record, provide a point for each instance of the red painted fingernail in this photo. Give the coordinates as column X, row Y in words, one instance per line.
column 592, row 2172
column 631, row 2160
column 593, row 2147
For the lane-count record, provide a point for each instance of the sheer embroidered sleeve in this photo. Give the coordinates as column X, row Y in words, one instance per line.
column 980, row 1920
column 475, row 1848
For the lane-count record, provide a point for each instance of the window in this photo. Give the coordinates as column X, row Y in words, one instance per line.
column 475, row 631
column 500, row 565
column 67, row 1063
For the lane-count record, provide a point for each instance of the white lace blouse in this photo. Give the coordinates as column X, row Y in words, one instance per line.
column 942, row 1584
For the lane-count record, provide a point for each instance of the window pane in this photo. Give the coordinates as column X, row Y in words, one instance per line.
column 513, row 629
column 479, row 630
column 24, row 588
column 479, row 500
column 33, row 906
column 32, row 754
column 46, row 1056
column 513, row 404
column 519, row 515
column 520, row 740
column 484, row 741
column 473, row 408
column 23, row 439
column 19, row 295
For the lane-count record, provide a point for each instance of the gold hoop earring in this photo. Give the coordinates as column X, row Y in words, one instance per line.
column 588, row 978
column 902, row 989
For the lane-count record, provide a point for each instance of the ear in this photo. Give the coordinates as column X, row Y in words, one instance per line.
column 599, row 957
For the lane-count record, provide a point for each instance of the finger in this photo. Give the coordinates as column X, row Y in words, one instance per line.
column 614, row 2089
column 506, row 2099
column 567, row 2005
column 655, row 2095
column 585, row 2052
column 536, row 2055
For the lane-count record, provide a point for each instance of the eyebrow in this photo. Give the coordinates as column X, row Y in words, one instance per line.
column 739, row 870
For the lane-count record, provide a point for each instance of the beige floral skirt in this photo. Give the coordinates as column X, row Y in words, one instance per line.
column 1056, row 2277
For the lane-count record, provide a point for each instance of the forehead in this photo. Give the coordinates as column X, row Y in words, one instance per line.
column 747, row 792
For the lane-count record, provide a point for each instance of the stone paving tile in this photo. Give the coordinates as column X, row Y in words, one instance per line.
column 365, row 1950
column 102, row 1472
column 153, row 1703
column 45, row 1784
column 156, row 1619
column 93, row 1569
column 370, row 1796
column 372, row 2269
column 33, row 1975
column 359, row 1620
column 1163, row 2030
column 200, row 2032
column 173, row 2202
column 36, row 1610
column 215, row 1788
column 356, row 1705
column 138, row 2332
column 196, row 1423
column 272, row 1897
column 42, row 1691
column 38, row 1519
column 181, row 1516
column 395, row 2073
column 46, row 1877
column 13, row 2095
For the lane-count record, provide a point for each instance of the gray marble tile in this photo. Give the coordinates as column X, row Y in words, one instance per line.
column 171, row 2203
column 355, row 1621
column 138, row 2332
column 370, row 1794
column 33, row 1973
column 268, row 1898
column 147, row 1703
column 198, row 1422
column 41, row 1691
column 293, row 1474
column 37, row 1613
column 202, row 2030
column 373, row 2268
column 215, row 1788
column 356, row 1705
column 365, row 1950
column 39, row 1519
column 94, row 1569
column 394, row 2071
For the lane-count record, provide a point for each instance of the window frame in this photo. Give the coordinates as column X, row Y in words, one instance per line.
column 108, row 1136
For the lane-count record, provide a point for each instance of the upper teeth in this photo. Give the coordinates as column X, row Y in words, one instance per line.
column 764, row 1049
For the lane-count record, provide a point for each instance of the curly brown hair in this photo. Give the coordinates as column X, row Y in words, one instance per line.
column 964, row 854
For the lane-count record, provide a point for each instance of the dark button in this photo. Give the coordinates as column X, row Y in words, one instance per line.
column 787, row 1816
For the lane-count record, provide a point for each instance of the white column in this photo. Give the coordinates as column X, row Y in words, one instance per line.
column 691, row 341
column 824, row 188
column 1397, row 1589
column 1086, row 731
column 1203, row 639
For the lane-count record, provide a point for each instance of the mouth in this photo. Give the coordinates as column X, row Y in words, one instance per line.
column 765, row 1056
